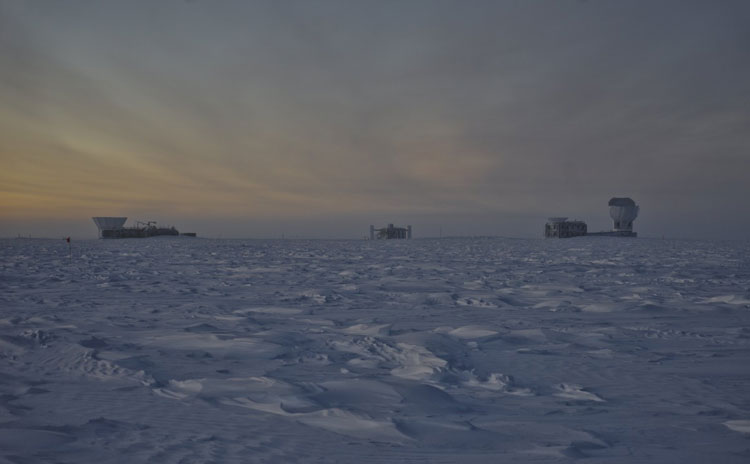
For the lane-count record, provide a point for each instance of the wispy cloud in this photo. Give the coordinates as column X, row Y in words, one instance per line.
column 281, row 110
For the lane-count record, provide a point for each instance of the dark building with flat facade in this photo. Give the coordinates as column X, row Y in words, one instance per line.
column 390, row 232
column 560, row 227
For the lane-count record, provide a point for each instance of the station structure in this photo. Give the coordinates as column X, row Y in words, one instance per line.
column 114, row 227
column 622, row 210
column 389, row 233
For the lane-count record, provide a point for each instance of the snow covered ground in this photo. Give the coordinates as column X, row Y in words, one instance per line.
column 456, row 350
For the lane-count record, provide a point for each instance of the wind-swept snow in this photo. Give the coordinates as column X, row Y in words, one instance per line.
column 456, row 350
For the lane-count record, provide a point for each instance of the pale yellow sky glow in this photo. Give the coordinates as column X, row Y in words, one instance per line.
column 323, row 117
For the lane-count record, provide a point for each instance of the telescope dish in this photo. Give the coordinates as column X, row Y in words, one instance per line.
column 109, row 223
column 623, row 212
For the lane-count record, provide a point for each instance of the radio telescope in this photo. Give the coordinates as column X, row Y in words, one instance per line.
column 109, row 223
column 623, row 212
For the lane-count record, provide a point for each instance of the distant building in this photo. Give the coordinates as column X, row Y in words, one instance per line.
column 560, row 227
column 623, row 212
column 109, row 226
column 390, row 232
column 114, row 227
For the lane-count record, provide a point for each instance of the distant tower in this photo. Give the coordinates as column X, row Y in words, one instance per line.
column 623, row 212
column 372, row 232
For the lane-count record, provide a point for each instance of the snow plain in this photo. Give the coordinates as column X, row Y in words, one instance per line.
column 177, row 350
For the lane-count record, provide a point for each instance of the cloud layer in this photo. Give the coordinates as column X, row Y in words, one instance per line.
column 305, row 113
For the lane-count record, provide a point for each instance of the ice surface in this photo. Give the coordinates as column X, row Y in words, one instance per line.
column 458, row 350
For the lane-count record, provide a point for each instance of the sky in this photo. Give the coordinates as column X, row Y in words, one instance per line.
column 319, row 118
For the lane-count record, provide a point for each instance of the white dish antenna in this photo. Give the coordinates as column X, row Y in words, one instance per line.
column 623, row 212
